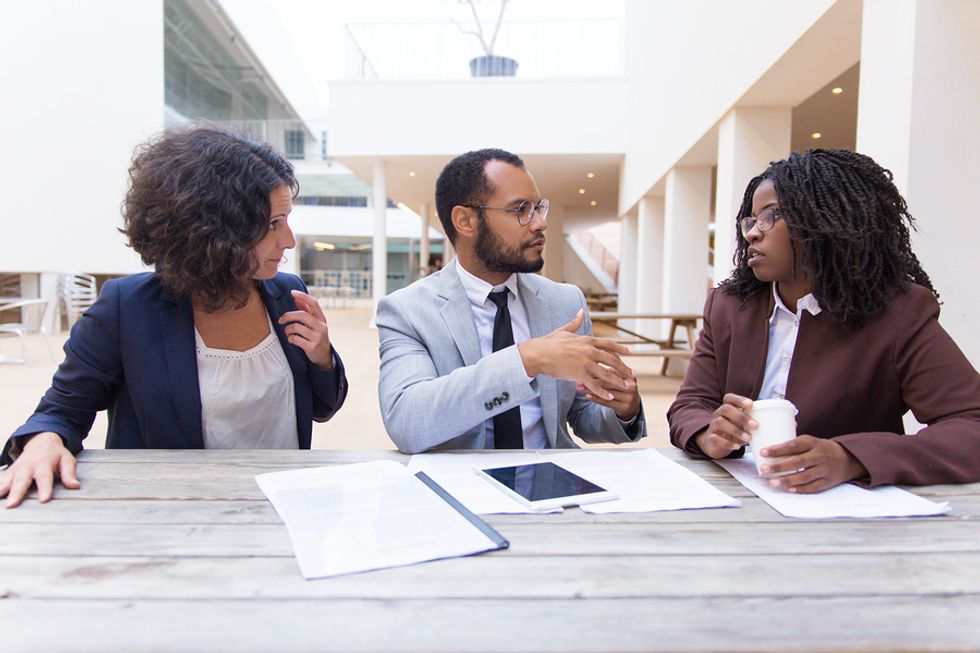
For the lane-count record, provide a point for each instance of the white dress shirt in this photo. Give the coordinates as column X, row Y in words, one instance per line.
column 247, row 397
column 484, row 311
column 784, row 326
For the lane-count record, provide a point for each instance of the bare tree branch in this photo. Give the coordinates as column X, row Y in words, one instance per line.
column 500, row 20
column 479, row 34
column 479, row 27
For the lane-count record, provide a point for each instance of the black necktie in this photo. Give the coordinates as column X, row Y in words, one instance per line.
column 507, row 433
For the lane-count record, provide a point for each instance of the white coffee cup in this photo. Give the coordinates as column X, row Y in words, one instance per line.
column 777, row 424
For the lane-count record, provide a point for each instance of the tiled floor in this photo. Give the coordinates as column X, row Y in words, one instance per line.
column 356, row 426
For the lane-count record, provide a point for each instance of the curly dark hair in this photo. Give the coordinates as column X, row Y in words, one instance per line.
column 851, row 226
column 463, row 181
column 197, row 204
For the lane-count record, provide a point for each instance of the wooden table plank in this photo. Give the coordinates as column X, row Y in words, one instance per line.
column 753, row 624
column 534, row 539
column 737, row 575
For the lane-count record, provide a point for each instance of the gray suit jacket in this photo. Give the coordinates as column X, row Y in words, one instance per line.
column 436, row 391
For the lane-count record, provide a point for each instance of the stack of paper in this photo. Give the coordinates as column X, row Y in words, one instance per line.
column 842, row 501
column 644, row 479
column 352, row 518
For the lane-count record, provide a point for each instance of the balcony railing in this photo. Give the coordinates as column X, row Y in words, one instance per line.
column 541, row 48
column 291, row 137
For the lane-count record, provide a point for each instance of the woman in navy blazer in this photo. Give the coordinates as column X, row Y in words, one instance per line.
column 209, row 210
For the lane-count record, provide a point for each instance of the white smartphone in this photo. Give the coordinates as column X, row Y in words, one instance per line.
column 545, row 486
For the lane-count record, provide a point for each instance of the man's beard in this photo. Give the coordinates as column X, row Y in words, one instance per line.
column 497, row 256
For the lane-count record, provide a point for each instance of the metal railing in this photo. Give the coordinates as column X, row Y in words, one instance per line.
column 607, row 261
column 291, row 137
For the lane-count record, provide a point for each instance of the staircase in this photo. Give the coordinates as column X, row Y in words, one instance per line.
column 603, row 264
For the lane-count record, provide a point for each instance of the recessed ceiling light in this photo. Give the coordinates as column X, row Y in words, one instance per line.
column 837, row 90
column 590, row 175
column 411, row 173
column 593, row 203
column 581, row 191
column 816, row 135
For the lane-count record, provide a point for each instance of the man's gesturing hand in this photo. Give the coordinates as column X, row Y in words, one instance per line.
column 591, row 362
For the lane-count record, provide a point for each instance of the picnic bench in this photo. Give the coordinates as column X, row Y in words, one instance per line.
column 645, row 345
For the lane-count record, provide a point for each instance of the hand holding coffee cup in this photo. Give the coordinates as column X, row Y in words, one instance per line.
column 776, row 420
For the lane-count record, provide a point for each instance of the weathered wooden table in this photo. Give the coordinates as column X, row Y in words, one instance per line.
column 179, row 551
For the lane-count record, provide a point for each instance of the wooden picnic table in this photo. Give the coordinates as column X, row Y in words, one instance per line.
column 180, row 551
column 669, row 347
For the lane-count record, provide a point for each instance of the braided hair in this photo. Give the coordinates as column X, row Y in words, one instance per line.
column 850, row 227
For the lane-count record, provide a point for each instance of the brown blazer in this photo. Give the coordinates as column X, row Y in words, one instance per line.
column 853, row 386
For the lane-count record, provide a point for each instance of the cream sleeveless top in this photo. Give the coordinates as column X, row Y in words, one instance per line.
column 247, row 397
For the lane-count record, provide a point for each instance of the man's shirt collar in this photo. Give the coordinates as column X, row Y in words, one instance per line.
column 477, row 290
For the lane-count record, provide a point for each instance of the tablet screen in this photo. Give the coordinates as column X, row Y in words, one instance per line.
column 542, row 481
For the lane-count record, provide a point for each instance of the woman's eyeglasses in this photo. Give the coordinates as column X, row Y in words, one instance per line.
column 764, row 221
column 525, row 210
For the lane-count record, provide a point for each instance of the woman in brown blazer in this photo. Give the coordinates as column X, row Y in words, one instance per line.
column 829, row 308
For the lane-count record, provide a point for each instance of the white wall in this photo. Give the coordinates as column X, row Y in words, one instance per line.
column 917, row 116
column 82, row 84
column 688, row 63
column 354, row 221
column 391, row 118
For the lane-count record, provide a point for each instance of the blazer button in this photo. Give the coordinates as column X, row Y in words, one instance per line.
column 488, row 405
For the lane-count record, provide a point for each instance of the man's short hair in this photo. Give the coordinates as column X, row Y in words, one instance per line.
column 464, row 181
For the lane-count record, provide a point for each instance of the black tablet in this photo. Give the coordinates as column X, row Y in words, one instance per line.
column 545, row 486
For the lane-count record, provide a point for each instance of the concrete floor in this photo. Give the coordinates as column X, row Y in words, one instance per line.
column 356, row 426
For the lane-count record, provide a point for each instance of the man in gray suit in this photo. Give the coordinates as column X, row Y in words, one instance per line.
column 452, row 376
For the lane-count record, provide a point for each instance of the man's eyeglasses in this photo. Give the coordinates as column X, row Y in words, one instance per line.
column 764, row 221
column 525, row 210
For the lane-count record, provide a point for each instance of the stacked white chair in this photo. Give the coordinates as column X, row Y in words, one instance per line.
column 31, row 320
column 76, row 293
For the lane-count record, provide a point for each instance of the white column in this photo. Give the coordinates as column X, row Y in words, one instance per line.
column 554, row 244
column 48, row 289
column 626, row 301
column 917, row 116
column 379, row 251
column 748, row 139
column 424, row 240
column 448, row 250
column 627, row 264
column 649, row 263
column 687, row 212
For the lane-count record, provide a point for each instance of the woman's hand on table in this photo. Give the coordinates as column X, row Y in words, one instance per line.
column 821, row 463
column 306, row 327
column 729, row 429
column 43, row 458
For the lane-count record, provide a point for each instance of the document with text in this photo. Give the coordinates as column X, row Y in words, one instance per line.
column 351, row 518
column 842, row 501
column 644, row 479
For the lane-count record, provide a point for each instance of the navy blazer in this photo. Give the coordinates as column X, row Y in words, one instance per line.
column 133, row 353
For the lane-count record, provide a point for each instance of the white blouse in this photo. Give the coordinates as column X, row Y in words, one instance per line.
column 247, row 397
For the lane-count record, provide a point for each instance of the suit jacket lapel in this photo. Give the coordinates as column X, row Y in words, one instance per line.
column 752, row 345
column 458, row 316
column 179, row 348
column 277, row 303
column 538, row 319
